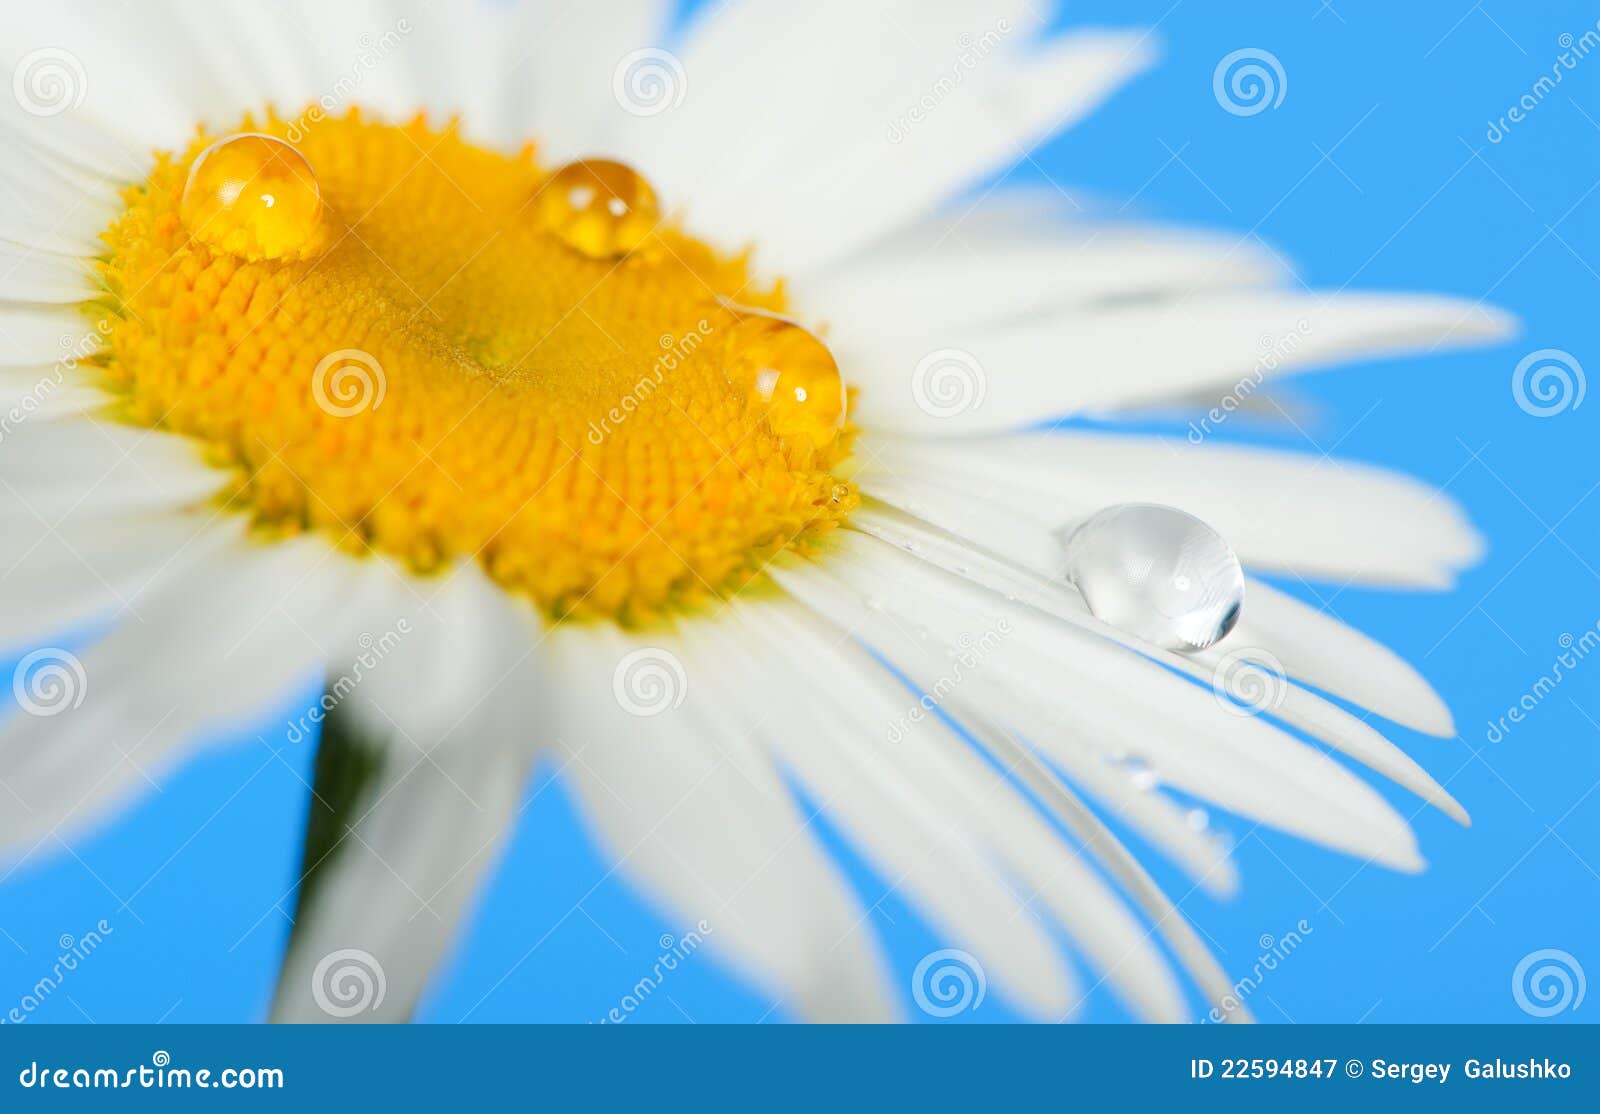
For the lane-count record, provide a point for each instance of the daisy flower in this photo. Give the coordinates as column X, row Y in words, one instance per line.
column 677, row 418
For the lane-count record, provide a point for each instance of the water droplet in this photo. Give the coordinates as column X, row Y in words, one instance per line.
column 254, row 196
column 1197, row 819
column 1156, row 573
column 598, row 208
column 1141, row 773
column 789, row 372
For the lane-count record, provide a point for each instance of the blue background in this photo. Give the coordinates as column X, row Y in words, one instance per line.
column 1374, row 171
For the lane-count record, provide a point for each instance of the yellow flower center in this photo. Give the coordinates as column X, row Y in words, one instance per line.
column 438, row 351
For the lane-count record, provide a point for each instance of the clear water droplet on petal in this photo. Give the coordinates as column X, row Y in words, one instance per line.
column 1156, row 573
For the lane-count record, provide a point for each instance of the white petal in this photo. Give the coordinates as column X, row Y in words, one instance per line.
column 1363, row 660
column 50, row 468
column 1100, row 358
column 562, row 78
column 917, row 847
column 31, row 336
column 925, row 660
column 43, row 394
column 45, row 209
column 704, row 823
column 88, row 565
column 208, row 649
column 975, row 806
column 962, row 271
column 89, row 100
column 1060, row 672
column 392, row 894
column 1331, row 655
column 1323, row 519
column 32, row 276
column 475, row 645
column 824, row 175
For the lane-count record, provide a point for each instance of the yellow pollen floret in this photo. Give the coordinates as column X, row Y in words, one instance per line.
column 433, row 371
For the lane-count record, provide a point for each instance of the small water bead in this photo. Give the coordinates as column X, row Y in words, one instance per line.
column 1141, row 774
column 790, row 373
column 253, row 196
column 598, row 208
column 1156, row 573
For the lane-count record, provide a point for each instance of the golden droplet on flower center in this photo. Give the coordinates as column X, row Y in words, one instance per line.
column 788, row 373
column 254, row 196
column 599, row 208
